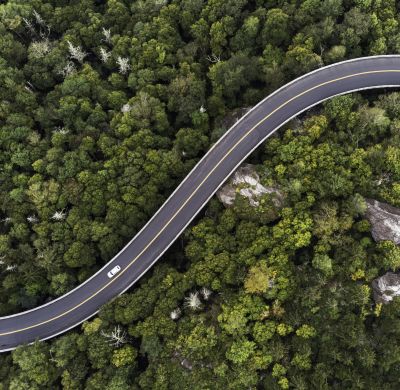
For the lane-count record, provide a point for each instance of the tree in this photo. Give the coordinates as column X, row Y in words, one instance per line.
column 276, row 28
column 259, row 279
column 104, row 108
column 35, row 365
column 190, row 142
column 323, row 263
column 300, row 56
column 186, row 94
column 391, row 255
column 124, row 356
column 229, row 77
column 240, row 351
column 244, row 38
column 79, row 255
column 198, row 344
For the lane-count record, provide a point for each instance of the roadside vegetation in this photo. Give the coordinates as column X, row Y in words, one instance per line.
column 106, row 106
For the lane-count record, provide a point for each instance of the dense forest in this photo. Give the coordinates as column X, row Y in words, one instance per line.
column 105, row 106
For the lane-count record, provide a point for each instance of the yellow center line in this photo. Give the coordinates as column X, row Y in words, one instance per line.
column 192, row 194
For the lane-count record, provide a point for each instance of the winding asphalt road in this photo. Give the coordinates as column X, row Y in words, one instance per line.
column 193, row 193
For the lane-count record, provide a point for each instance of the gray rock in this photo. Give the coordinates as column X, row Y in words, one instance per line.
column 187, row 364
column 386, row 287
column 246, row 182
column 384, row 220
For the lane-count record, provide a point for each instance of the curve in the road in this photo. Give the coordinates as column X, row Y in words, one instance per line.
column 192, row 194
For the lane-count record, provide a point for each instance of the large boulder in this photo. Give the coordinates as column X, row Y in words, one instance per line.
column 384, row 220
column 246, row 182
column 386, row 287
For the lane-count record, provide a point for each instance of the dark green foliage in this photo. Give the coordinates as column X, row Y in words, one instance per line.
column 105, row 106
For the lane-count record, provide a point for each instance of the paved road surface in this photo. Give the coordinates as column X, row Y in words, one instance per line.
column 193, row 193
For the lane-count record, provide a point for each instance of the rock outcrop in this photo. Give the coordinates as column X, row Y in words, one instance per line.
column 246, row 182
column 386, row 287
column 384, row 220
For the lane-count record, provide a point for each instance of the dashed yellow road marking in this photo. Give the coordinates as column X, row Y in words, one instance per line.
column 193, row 193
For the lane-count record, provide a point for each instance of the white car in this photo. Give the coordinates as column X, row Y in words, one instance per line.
column 111, row 273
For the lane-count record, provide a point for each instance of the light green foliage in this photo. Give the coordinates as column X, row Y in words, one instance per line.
column 322, row 262
column 263, row 331
column 283, row 329
column 278, row 370
column 259, row 278
column 92, row 326
column 293, row 231
column 389, row 255
column 240, row 351
column 234, row 320
column 34, row 366
column 303, row 362
column 291, row 304
column 124, row 356
column 306, row 331
column 199, row 343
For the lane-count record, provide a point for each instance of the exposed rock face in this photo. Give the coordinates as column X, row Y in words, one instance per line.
column 247, row 182
column 386, row 287
column 384, row 220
